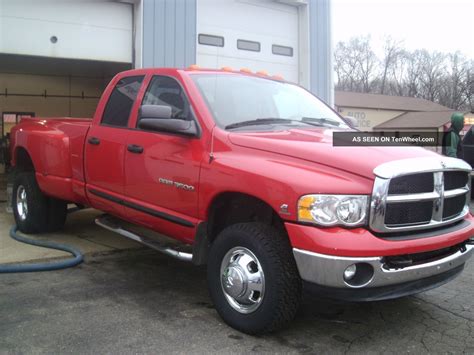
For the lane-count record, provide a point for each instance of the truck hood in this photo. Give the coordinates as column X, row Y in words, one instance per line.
column 316, row 146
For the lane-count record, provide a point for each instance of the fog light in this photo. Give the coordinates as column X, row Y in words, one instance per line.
column 358, row 275
column 350, row 272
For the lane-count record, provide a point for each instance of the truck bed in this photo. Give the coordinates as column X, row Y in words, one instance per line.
column 56, row 148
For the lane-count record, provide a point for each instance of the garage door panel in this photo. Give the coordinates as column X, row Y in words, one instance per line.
column 269, row 17
column 81, row 29
column 266, row 22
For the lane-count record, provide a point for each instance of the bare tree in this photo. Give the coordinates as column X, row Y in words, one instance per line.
column 367, row 62
column 413, row 74
column 345, row 67
column 392, row 54
column 432, row 70
column 446, row 79
column 468, row 85
column 355, row 64
column 451, row 91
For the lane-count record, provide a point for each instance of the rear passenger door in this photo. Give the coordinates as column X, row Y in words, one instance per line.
column 105, row 147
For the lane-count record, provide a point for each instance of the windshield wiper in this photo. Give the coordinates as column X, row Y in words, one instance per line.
column 304, row 120
column 321, row 121
column 260, row 121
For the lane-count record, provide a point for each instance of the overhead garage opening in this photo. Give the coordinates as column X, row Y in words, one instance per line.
column 56, row 56
column 40, row 86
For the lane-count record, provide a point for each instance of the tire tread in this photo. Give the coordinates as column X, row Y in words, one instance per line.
column 279, row 255
column 45, row 214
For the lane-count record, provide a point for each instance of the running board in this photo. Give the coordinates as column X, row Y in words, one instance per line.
column 110, row 224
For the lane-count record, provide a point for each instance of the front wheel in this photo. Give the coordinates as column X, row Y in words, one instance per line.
column 253, row 279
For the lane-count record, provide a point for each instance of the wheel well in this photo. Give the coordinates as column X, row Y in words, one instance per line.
column 23, row 160
column 232, row 207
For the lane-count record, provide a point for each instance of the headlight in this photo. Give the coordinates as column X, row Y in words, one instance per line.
column 329, row 210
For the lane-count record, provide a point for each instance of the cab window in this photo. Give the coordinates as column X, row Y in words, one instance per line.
column 166, row 91
column 118, row 108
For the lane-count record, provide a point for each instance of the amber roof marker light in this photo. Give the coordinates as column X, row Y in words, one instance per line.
column 278, row 77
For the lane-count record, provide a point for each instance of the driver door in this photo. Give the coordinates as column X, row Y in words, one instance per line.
column 162, row 169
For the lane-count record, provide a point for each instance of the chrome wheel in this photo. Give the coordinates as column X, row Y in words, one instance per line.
column 21, row 202
column 242, row 280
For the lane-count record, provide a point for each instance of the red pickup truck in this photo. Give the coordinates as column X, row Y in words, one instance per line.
column 240, row 168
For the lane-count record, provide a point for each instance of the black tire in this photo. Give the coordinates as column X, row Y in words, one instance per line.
column 35, row 219
column 282, row 290
column 44, row 214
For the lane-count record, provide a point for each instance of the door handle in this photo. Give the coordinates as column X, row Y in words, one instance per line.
column 133, row 148
column 94, row 141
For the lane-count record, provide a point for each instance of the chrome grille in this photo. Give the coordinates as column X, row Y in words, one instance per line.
column 421, row 193
column 455, row 179
column 411, row 184
column 405, row 213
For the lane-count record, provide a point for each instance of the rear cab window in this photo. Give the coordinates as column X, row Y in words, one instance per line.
column 121, row 100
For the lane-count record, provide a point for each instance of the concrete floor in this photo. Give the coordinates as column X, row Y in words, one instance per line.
column 145, row 302
column 80, row 231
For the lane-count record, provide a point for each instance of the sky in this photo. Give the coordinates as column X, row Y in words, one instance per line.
column 436, row 25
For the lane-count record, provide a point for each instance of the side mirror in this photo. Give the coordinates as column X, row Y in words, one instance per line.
column 171, row 125
column 155, row 111
column 158, row 118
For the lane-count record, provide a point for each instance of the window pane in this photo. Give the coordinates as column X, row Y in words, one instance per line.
column 248, row 45
column 262, row 98
column 210, row 40
column 282, row 50
column 117, row 110
column 166, row 91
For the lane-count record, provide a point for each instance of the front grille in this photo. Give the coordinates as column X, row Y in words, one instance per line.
column 455, row 179
column 411, row 184
column 453, row 206
column 433, row 194
column 408, row 213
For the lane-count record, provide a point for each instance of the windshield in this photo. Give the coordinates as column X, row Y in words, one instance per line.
column 238, row 101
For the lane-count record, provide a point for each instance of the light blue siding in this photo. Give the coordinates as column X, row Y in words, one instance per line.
column 321, row 51
column 169, row 33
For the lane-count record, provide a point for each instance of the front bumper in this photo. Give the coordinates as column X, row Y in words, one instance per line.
column 384, row 292
column 323, row 254
column 328, row 270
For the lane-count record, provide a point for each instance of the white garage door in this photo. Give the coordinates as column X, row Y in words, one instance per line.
column 255, row 34
column 76, row 29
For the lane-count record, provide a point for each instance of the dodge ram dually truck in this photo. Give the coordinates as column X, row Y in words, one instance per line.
column 240, row 167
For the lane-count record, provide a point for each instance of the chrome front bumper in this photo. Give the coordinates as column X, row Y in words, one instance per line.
column 328, row 270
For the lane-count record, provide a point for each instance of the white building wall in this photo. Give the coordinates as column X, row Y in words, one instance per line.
column 84, row 29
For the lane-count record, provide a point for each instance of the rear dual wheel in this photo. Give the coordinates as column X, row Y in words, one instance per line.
column 253, row 279
column 35, row 212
